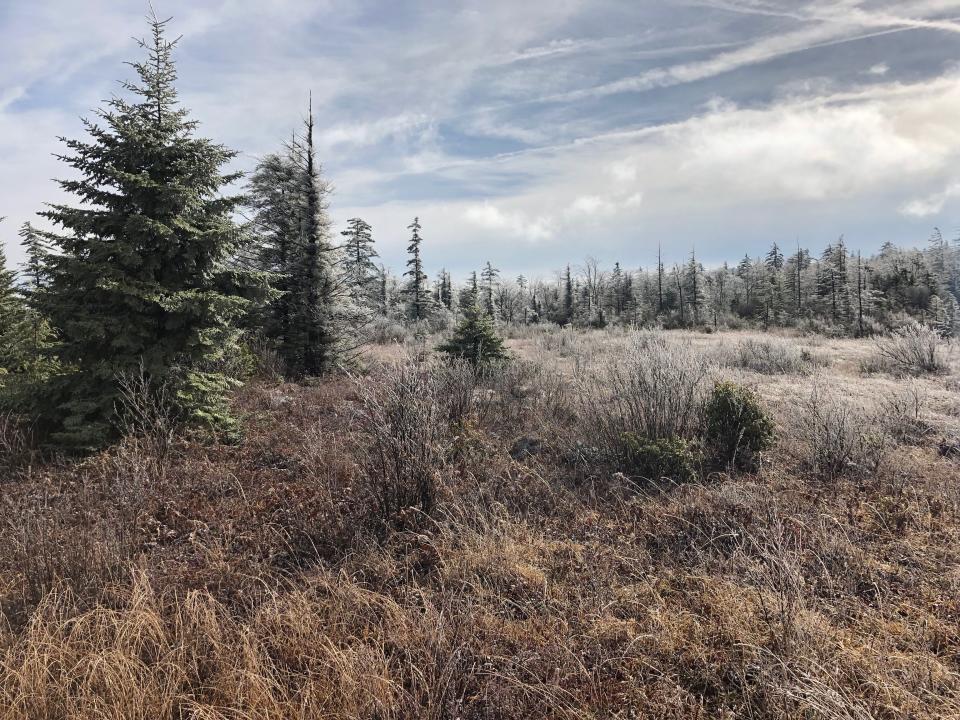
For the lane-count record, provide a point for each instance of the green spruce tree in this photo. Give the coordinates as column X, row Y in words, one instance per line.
column 11, row 311
column 321, row 319
column 140, row 277
column 475, row 339
column 275, row 196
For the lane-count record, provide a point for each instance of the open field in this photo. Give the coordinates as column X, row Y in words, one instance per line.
column 414, row 542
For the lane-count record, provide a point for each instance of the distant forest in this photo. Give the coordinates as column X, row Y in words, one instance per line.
column 837, row 292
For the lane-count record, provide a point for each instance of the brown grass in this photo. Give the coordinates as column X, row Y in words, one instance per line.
column 262, row 581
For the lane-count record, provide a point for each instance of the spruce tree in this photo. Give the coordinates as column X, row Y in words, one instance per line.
column 694, row 291
column 489, row 275
column 416, row 292
column 314, row 319
column 469, row 293
column 321, row 319
column 24, row 340
column 359, row 270
column 475, row 339
column 445, row 290
column 275, row 197
column 383, row 294
column 140, row 276
column 524, row 297
column 568, row 309
column 11, row 308
column 659, row 281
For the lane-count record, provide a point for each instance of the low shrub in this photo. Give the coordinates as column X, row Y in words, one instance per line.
column 839, row 437
column 674, row 459
column 655, row 390
column 913, row 349
column 387, row 331
column 737, row 426
column 410, row 418
column 902, row 414
column 768, row 357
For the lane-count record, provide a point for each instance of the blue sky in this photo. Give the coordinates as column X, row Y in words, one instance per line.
column 537, row 133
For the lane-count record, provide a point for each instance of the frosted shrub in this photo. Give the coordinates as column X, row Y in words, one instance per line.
column 767, row 356
column 410, row 417
column 914, row 349
column 838, row 437
column 655, row 391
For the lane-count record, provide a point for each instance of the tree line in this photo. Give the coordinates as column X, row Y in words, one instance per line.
column 157, row 271
column 839, row 292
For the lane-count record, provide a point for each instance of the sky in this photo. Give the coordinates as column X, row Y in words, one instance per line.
column 538, row 133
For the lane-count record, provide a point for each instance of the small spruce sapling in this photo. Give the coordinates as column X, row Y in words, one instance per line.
column 475, row 339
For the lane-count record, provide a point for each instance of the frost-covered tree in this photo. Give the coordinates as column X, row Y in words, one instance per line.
column 490, row 277
column 694, row 291
column 316, row 316
column 417, row 290
column 359, row 269
column 323, row 321
column 274, row 195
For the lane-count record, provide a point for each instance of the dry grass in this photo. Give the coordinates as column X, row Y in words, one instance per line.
column 260, row 581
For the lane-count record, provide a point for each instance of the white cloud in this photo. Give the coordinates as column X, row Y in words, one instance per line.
column 370, row 133
column 409, row 120
column 774, row 166
column 517, row 224
column 931, row 204
column 825, row 24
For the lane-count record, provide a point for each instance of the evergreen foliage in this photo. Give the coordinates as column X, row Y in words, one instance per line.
column 11, row 310
column 489, row 276
column 359, row 269
column 475, row 339
column 738, row 428
column 141, row 274
column 416, row 292
column 324, row 293
column 673, row 458
column 274, row 196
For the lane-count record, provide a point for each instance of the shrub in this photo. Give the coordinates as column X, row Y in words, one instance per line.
column 17, row 446
column 655, row 390
column 737, row 425
column 146, row 411
column 768, row 357
column 667, row 458
column 410, row 418
column 839, row 438
column 914, row 349
column 902, row 414
column 386, row 331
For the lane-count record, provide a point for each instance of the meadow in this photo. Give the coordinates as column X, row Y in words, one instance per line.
column 411, row 539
